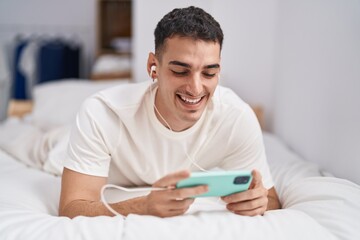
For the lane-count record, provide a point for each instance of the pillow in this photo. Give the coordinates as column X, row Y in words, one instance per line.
column 56, row 103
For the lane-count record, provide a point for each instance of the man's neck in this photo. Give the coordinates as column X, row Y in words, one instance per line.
column 173, row 127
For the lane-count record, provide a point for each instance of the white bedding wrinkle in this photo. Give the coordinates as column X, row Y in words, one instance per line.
column 27, row 143
column 17, row 139
column 333, row 202
column 29, row 208
column 214, row 225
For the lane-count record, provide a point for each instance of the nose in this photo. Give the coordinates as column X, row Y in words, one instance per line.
column 195, row 86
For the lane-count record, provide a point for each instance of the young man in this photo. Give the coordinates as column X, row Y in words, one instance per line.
column 155, row 134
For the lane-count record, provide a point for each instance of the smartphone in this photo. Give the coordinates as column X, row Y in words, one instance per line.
column 221, row 183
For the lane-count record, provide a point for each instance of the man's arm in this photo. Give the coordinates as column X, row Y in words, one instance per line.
column 273, row 200
column 80, row 196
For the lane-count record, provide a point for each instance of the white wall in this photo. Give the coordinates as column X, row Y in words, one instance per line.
column 247, row 56
column 248, row 52
column 317, row 95
column 60, row 18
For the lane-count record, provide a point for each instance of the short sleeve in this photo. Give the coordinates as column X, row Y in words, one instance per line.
column 246, row 149
column 92, row 139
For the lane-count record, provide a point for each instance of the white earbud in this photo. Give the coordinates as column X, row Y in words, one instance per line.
column 152, row 69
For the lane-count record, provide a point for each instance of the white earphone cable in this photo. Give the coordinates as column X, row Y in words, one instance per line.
column 142, row 189
column 157, row 111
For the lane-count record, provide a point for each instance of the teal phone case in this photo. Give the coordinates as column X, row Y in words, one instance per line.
column 221, row 183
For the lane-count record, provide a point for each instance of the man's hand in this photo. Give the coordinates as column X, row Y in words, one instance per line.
column 252, row 202
column 171, row 201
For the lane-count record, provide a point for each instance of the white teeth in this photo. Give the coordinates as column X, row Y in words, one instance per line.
column 191, row 101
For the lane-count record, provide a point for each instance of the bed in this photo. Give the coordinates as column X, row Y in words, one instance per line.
column 316, row 205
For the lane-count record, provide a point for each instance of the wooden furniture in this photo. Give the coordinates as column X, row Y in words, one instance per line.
column 19, row 108
column 111, row 75
column 114, row 23
column 259, row 112
column 114, row 35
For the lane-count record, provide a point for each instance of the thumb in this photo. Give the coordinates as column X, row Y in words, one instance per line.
column 256, row 180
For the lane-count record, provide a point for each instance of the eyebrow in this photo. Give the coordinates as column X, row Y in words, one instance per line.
column 182, row 64
column 179, row 64
column 213, row 66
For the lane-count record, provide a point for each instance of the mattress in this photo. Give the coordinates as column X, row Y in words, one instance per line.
column 314, row 207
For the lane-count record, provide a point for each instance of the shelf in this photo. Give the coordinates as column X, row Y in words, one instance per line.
column 114, row 27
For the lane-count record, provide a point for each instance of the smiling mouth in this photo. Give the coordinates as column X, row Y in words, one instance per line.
column 191, row 101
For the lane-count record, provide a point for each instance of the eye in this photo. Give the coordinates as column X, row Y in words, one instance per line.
column 184, row 73
column 209, row 75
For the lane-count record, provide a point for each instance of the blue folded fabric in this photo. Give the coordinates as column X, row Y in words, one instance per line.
column 51, row 61
column 72, row 60
column 19, row 80
column 58, row 59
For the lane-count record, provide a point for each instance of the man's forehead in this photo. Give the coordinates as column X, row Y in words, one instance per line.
column 185, row 51
column 175, row 40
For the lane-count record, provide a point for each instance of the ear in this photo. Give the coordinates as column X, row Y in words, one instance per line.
column 152, row 61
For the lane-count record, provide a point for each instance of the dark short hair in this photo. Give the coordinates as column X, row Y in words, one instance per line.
column 190, row 22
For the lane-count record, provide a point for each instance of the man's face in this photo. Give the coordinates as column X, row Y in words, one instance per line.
column 188, row 74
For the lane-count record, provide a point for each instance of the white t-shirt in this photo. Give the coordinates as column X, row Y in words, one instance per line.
column 117, row 135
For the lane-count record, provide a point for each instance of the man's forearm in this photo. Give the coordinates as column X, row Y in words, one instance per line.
column 273, row 200
column 97, row 208
column 273, row 203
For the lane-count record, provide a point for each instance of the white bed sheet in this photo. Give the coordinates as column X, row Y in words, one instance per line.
column 315, row 207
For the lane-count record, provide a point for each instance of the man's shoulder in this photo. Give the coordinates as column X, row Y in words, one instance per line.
column 118, row 101
column 231, row 110
column 123, row 96
column 226, row 98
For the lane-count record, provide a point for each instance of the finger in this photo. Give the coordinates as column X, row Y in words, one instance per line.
column 181, row 193
column 181, row 204
column 246, row 195
column 248, row 205
column 181, row 208
column 173, row 213
column 253, row 212
column 172, row 179
column 257, row 179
